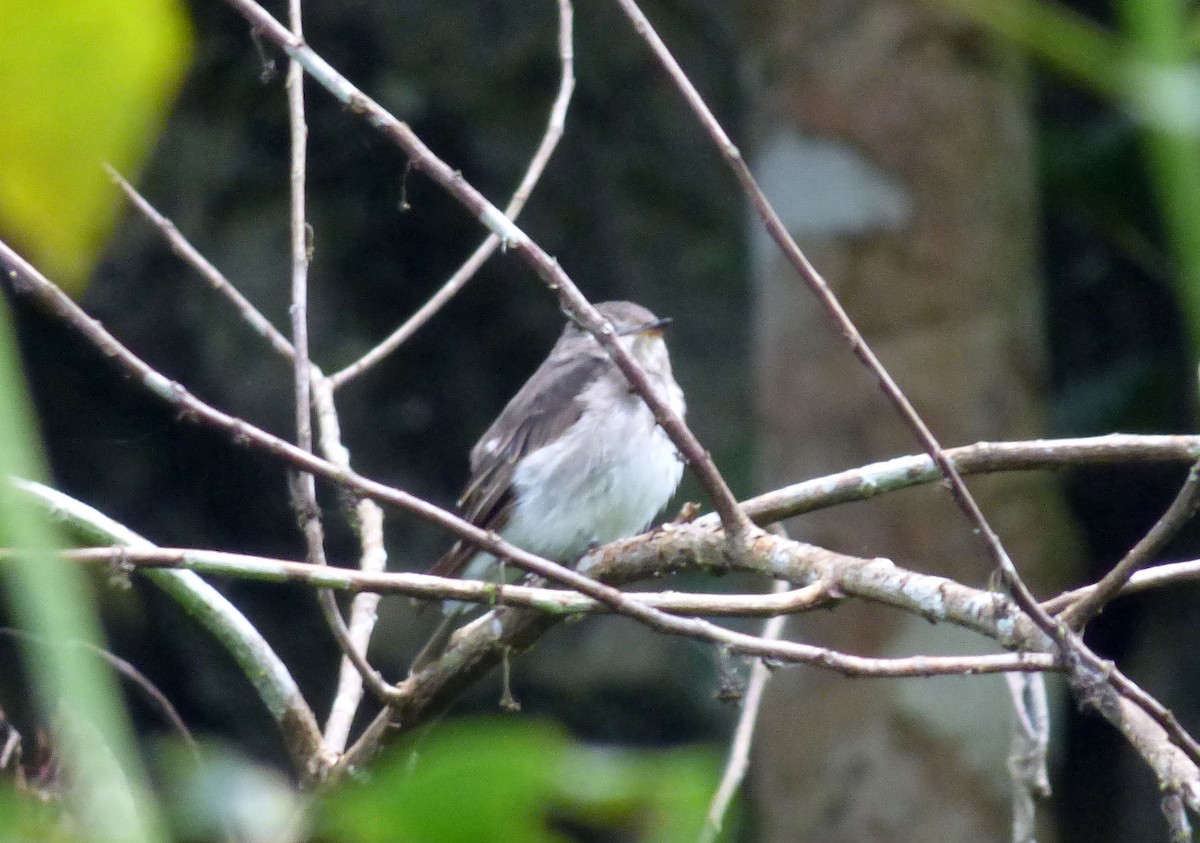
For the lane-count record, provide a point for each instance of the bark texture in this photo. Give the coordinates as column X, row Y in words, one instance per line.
column 897, row 146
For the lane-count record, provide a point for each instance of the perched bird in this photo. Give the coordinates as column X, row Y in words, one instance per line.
column 576, row 459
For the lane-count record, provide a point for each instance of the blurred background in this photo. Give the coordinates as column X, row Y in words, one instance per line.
column 1009, row 220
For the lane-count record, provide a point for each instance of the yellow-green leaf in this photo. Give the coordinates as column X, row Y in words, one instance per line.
column 82, row 83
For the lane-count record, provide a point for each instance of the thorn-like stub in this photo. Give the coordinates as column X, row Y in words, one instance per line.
column 687, row 513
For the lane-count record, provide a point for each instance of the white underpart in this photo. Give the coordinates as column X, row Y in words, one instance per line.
column 604, row 479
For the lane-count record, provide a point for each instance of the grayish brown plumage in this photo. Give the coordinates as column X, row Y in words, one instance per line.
column 553, row 485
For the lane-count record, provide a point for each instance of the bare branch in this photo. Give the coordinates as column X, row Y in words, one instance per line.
column 1143, row 580
column 10, row 752
column 1091, row 677
column 261, row 666
column 1157, row 712
column 1181, row 510
column 426, row 587
column 303, row 489
column 981, row 458
column 1027, row 757
column 481, row 645
column 191, row 255
column 1176, row 773
column 557, row 601
column 367, row 516
column 743, row 734
column 1175, row 810
column 368, row 521
column 511, row 237
column 554, row 130
column 877, row 579
column 151, row 692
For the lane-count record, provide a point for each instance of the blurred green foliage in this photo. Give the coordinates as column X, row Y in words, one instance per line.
column 521, row 780
column 50, row 597
column 511, row 779
column 24, row 820
column 217, row 793
column 82, row 83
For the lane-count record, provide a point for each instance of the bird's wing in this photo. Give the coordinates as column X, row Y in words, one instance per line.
column 544, row 408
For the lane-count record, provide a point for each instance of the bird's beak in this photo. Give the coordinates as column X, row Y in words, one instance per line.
column 655, row 327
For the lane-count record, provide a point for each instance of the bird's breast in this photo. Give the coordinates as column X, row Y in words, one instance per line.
column 605, row 478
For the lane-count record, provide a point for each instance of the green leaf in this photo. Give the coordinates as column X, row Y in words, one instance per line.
column 519, row 780
column 82, row 83
column 24, row 819
column 1060, row 36
column 107, row 792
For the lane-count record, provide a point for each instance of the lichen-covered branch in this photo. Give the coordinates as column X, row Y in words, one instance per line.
column 261, row 666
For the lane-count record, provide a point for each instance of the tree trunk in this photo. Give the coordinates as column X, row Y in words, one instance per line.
column 896, row 144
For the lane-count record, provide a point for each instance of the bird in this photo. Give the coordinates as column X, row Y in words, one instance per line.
column 576, row 459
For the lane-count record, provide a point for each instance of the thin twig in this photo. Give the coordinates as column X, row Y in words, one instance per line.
column 10, row 752
column 1027, row 766
column 743, row 735
column 511, row 237
column 151, row 692
column 1174, row 809
column 303, row 489
column 1087, row 663
column 368, row 521
column 1175, row 772
column 1158, row 712
column 1181, row 510
column 554, row 130
column 367, row 515
column 1157, row 576
column 557, row 601
column 426, row 587
column 192, row 256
